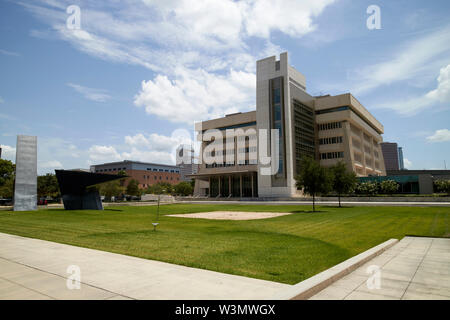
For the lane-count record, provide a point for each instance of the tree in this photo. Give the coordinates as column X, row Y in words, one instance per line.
column 313, row 179
column 110, row 189
column 442, row 186
column 7, row 170
column 47, row 186
column 7, row 189
column 389, row 186
column 183, row 188
column 122, row 181
column 160, row 188
column 344, row 181
column 133, row 188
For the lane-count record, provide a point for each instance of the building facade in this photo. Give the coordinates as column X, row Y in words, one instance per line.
column 401, row 163
column 145, row 173
column 327, row 128
column 393, row 156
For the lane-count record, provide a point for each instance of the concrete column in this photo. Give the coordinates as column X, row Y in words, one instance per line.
column 240, row 185
column 209, row 189
column 253, row 191
column 363, row 151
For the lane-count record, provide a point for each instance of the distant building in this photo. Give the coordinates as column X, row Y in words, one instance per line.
column 185, row 161
column 393, row 156
column 145, row 173
column 401, row 164
column 390, row 155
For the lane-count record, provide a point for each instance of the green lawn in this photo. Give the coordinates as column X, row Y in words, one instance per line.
column 286, row 249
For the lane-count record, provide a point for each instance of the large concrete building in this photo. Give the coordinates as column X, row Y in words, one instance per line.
column 145, row 173
column 328, row 128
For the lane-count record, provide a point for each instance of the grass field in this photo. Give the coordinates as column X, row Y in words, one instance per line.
column 285, row 249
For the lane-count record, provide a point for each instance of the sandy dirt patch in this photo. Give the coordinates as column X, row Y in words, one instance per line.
column 231, row 215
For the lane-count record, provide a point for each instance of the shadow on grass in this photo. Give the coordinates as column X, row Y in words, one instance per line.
column 113, row 210
column 308, row 211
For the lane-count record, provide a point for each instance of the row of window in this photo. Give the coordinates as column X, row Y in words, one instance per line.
column 330, row 126
column 149, row 169
column 243, row 163
column 112, row 169
column 230, row 151
column 163, row 170
column 332, row 155
column 247, row 138
column 332, row 140
column 160, row 178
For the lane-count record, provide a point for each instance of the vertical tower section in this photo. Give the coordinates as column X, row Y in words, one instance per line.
column 278, row 85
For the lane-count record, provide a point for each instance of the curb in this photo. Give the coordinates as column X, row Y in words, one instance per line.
column 309, row 287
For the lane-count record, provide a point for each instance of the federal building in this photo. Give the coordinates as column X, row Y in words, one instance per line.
column 327, row 128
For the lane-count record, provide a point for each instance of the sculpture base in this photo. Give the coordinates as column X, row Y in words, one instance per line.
column 87, row 201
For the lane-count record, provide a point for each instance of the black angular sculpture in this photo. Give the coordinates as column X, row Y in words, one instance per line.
column 73, row 185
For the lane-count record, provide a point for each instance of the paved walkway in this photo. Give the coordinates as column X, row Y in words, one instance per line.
column 414, row 268
column 37, row 269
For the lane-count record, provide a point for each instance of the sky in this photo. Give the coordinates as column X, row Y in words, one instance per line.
column 128, row 79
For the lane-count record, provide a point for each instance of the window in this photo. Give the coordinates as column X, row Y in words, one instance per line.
column 332, row 140
column 332, row 155
column 155, row 169
column 330, row 126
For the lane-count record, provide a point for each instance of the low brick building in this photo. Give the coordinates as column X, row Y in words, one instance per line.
column 145, row 173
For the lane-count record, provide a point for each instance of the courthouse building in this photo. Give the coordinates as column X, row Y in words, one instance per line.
column 327, row 128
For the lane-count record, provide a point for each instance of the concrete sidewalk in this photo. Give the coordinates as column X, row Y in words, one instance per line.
column 37, row 269
column 415, row 268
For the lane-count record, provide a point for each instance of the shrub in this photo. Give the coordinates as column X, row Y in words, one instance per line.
column 388, row 186
column 442, row 186
column 367, row 188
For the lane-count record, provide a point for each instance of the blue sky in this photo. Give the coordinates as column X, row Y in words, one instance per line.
column 132, row 80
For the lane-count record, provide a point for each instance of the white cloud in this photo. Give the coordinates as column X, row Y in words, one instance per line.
column 196, row 95
column 142, row 147
column 416, row 104
column 103, row 154
column 98, row 95
column 442, row 135
column 408, row 164
column 199, row 49
column 410, row 62
column 442, row 92
column 9, row 53
column 53, row 164
column 292, row 17
column 8, row 152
